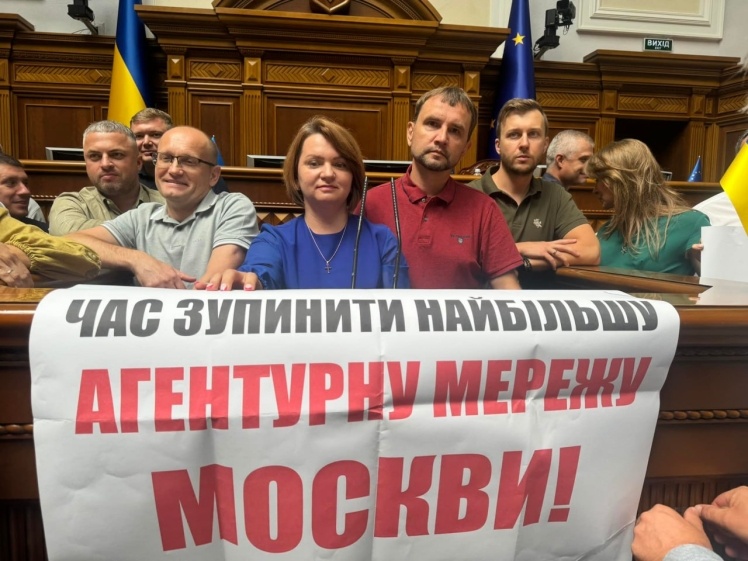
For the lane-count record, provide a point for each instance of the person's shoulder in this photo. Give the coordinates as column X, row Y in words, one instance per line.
column 377, row 230
column 552, row 189
column 695, row 216
column 285, row 233
column 473, row 196
column 233, row 199
column 382, row 191
column 85, row 193
column 150, row 195
column 485, row 183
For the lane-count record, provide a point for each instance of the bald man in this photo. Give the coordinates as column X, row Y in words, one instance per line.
column 194, row 235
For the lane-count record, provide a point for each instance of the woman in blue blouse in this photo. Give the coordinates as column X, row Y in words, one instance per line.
column 652, row 228
column 324, row 172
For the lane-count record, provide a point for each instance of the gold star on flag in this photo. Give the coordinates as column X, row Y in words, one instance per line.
column 519, row 39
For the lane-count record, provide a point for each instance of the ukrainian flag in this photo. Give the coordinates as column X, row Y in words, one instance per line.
column 734, row 184
column 129, row 93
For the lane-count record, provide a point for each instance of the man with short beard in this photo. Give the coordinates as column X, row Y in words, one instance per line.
column 452, row 236
column 112, row 165
column 549, row 229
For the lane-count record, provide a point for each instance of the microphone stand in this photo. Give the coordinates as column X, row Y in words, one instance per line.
column 397, row 233
column 358, row 232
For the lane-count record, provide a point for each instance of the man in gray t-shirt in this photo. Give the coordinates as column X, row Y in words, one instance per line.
column 195, row 235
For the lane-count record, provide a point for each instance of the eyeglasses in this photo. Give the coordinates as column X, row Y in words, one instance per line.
column 190, row 162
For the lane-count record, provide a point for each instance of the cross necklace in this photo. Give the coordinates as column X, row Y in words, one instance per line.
column 327, row 261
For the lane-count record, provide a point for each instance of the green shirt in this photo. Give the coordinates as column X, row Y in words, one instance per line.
column 76, row 211
column 680, row 234
column 546, row 213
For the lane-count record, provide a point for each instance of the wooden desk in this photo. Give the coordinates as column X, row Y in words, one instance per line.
column 699, row 447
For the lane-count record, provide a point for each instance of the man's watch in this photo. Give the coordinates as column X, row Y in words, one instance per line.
column 528, row 264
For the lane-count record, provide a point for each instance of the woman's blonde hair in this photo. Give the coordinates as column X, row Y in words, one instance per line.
column 640, row 195
column 342, row 140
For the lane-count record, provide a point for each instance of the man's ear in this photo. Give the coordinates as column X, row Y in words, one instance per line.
column 140, row 161
column 496, row 145
column 215, row 174
column 411, row 126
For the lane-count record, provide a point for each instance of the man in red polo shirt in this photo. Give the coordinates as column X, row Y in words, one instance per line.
column 452, row 236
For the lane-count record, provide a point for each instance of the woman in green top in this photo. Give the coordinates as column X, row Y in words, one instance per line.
column 652, row 229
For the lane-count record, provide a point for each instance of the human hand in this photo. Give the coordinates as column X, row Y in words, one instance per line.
column 694, row 255
column 556, row 253
column 13, row 271
column 230, row 280
column 661, row 529
column 154, row 273
column 727, row 519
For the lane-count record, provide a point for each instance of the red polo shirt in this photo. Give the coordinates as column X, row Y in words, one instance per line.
column 456, row 239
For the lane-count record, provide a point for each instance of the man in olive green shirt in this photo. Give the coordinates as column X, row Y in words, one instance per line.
column 26, row 250
column 112, row 163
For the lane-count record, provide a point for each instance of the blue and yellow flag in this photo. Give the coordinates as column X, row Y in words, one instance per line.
column 734, row 184
column 129, row 93
column 517, row 78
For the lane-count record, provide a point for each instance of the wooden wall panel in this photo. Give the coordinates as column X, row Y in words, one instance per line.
column 219, row 115
column 369, row 121
column 52, row 122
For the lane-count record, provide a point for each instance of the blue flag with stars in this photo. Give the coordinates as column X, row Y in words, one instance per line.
column 517, row 78
column 696, row 171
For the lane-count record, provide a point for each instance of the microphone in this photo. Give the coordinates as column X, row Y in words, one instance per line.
column 358, row 232
column 396, row 276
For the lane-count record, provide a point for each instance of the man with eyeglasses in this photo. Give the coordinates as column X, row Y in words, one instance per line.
column 112, row 164
column 194, row 235
column 149, row 125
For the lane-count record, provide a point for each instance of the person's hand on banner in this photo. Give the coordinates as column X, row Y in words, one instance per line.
column 727, row 519
column 154, row 273
column 230, row 280
column 661, row 529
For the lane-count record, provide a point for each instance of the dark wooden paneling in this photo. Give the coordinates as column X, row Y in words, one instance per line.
column 218, row 115
column 52, row 122
column 368, row 121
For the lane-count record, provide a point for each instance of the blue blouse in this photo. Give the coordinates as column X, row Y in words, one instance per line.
column 285, row 256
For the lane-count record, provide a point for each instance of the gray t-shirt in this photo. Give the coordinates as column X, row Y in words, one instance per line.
column 691, row 553
column 228, row 218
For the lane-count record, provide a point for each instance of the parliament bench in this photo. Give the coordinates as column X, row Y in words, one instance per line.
column 265, row 189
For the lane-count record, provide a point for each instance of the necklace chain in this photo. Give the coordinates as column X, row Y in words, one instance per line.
column 327, row 261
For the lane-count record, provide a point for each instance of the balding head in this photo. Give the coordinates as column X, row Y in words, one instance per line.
column 185, row 169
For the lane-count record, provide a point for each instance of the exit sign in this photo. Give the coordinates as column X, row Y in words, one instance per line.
column 658, row 45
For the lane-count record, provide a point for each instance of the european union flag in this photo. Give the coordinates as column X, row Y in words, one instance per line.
column 696, row 171
column 517, row 77
column 129, row 93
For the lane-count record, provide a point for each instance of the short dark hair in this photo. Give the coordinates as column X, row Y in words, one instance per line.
column 342, row 140
column 519, row 106
column 110, row 127
column 452, row 95
column 6, row 160
column 150, row 114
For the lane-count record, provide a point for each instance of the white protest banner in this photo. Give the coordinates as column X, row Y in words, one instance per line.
column 381, row 425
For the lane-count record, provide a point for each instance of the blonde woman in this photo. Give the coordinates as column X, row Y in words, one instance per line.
column 652, row 229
